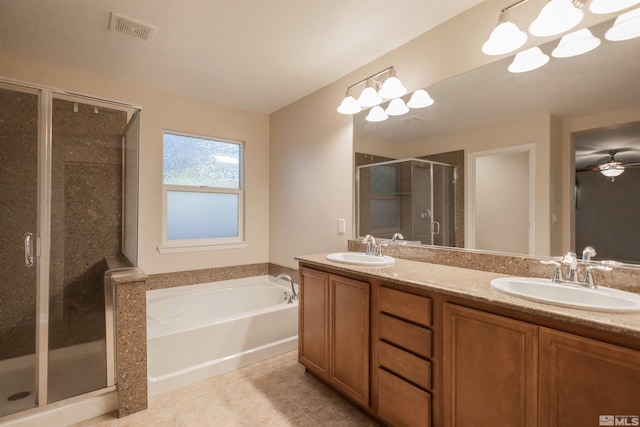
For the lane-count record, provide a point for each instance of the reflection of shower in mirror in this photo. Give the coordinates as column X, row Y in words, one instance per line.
column 413, row 197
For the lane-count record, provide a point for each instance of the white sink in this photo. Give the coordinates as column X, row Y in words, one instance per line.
column 361, row 259
column 568, row 295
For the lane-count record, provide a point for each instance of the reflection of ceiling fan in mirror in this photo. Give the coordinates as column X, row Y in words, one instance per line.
column 610, row 167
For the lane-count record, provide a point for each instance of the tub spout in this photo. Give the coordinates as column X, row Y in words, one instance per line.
column 293, row 288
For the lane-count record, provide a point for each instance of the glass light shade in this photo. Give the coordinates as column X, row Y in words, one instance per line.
column 376, row 114
column 369, row 97
column 505, row 37
column 397, row 107
column 626, row 27
column 576, row 43
column 610, row 6
column 420, row 99
column 556, row 17
column 611, row 171
column 528, row 60
column 392, row 88
column 349, row 105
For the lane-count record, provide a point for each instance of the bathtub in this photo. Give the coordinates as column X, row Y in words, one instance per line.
column 199, row 331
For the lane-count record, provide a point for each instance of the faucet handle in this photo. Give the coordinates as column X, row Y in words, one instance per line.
column 588, row 276
column 557, row 274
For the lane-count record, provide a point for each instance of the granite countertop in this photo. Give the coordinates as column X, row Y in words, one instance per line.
column 474, row 285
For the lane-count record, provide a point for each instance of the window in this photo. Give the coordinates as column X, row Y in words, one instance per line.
column 202, row 191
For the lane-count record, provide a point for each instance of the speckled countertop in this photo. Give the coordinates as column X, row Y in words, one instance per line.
column 474, row 285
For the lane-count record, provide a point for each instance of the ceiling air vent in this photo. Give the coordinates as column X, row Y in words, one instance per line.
column 132, row 28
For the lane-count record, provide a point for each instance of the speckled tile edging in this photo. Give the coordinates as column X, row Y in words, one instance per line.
column 131, row 344
column 625, row 278
column 193, row 277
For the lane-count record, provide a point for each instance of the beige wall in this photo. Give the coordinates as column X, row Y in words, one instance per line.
column 161, row 110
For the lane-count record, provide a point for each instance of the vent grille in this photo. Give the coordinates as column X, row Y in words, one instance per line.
column 132, row 28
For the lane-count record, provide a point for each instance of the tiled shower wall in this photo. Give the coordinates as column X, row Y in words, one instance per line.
column 86, row 211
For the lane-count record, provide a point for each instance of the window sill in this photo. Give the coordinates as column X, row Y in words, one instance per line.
column 173, row 249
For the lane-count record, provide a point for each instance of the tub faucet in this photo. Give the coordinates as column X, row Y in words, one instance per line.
column 288, row 278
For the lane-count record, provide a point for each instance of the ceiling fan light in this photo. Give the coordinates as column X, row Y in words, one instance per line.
column 397, row 107
column 420, row 99
column 505, row 37
column 369, row 97
column 625, row 27
column 528, row 60
column 610, row 6
column 376, row 114
column 392, row 88
column 611, row 171
column 576, row 43
column 349, row 105
column 556, row 17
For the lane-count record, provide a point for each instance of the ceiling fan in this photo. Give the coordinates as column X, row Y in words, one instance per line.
column 611, row 168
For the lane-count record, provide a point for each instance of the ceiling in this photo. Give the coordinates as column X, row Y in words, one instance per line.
column 258, row 55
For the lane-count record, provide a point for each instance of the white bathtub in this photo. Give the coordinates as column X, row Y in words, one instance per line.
column 199, row 331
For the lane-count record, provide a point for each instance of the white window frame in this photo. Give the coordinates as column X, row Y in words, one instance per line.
column 202, row 244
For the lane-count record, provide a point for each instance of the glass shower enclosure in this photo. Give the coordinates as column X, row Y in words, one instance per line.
column 413, row 197
column 68, row 201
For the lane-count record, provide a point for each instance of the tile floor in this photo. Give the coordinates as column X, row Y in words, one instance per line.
column 271, row 393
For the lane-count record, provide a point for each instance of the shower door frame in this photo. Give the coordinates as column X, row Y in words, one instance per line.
column 43, row 237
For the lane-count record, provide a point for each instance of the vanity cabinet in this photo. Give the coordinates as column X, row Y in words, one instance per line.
column 490, row 369
column 501, row 371
column 403, row 374
column 334, row 332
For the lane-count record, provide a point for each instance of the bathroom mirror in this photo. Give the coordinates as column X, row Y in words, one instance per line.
column 599, row 89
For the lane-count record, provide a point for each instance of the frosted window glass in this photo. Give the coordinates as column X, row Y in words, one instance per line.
column 192, row 215
column 201, row 162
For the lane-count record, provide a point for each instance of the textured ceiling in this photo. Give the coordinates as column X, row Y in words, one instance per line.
column 259, row 55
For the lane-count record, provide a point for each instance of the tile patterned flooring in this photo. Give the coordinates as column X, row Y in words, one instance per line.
column 275, row 393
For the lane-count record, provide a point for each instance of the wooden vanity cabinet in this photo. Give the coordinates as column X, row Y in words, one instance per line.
column 334, row 332
column 403, row 355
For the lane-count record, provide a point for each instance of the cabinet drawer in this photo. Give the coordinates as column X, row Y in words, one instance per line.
column 412, row 307
column 406, row 335
column 402, row 404
column 405, row 364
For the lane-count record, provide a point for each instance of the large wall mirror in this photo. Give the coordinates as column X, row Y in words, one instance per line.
column 552, row 127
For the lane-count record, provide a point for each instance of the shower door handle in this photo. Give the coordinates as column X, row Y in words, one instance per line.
column 435, row 227
column 28, row 249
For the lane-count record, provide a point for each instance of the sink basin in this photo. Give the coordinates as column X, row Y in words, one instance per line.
column 361, row 259
column 568, row 295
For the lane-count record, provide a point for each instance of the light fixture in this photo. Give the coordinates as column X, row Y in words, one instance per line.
column 610, row 6
column 576, row 43
column 381, row 85
column 369, row 96
column 397, row 107
column 419, row 99
column 376, row 114
column 625, row 27
column 392, row 87
column 611, row 169
column 556, row 17
column 349, row 105
column 505, row 37
column 528, row 60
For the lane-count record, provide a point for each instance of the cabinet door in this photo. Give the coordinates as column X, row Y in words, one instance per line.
column 490, row 369
column 582, row 380
column 349, row 335
column 313, row 323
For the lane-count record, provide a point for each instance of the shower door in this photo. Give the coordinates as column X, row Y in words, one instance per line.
column 18, row 231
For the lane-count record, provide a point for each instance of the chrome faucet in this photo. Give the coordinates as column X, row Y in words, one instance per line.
column 370, row 241
column 571, row 259
column 397, row 236
column 294, row 294
column 587, row 253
